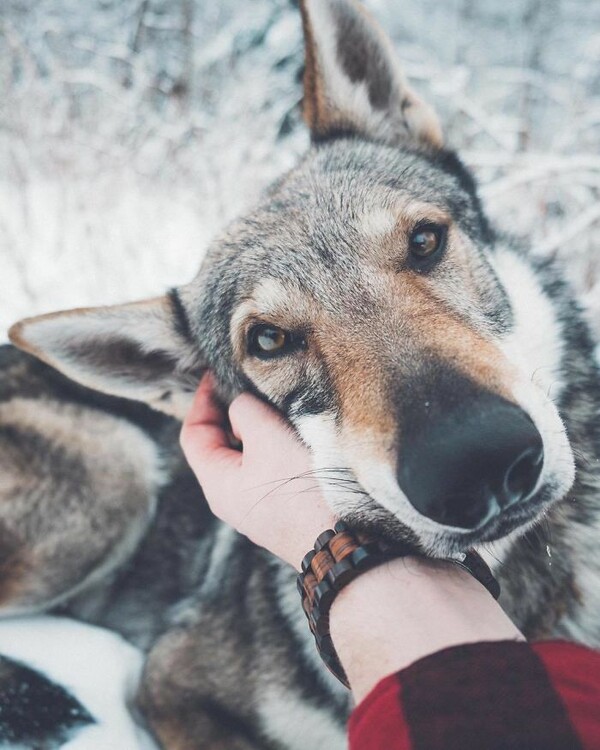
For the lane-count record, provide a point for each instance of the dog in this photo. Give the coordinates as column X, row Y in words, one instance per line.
column 442, row 376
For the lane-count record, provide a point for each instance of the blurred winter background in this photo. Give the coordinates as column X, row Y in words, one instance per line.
column 131, row 130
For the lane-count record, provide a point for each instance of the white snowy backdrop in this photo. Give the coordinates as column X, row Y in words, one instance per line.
column 130, row 130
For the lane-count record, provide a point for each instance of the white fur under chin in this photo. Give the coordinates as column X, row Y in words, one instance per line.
column 97, row 667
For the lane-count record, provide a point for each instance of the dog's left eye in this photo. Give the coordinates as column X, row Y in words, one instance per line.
column 427, row 240
column 266, row 341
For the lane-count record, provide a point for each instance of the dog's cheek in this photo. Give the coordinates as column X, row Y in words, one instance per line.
column 319, row 433
column 535, row 346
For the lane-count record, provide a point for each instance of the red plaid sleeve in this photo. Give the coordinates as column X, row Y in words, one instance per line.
column 497, row 696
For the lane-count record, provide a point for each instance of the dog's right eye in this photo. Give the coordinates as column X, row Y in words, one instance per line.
column 427, row 240
column 266, row 341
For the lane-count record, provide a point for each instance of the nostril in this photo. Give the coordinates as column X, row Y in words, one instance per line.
column 522, row 476
column 467, row 511
column 465, row 465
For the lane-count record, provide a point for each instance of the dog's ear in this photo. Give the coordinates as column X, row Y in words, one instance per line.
column 141, row 351
column 352, row 81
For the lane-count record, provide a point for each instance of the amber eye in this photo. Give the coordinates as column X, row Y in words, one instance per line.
column 269, row 341
column 427, row 240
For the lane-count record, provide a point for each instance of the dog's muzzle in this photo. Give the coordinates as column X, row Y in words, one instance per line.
column 467, row 462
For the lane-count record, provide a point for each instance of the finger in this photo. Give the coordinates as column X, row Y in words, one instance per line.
column 263, row 431
column 251, row 417
column 205, row 407
column 234, row 431
column 204, row 438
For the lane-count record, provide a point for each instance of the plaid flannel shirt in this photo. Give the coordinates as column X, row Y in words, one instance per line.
column 486, row 696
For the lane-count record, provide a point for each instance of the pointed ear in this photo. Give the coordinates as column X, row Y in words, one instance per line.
column 141, row 351
column 352, row 80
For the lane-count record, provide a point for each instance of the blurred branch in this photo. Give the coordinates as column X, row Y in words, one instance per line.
column 139, row 26
column 545, row 167
column 573, row 228
column 486, row 123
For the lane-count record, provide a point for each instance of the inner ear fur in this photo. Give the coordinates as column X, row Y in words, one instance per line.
column 142, row 350
column 353, row 83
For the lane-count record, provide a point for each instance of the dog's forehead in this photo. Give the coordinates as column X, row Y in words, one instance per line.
column 343, row 183
column 360, row 168
column 322, row 228
column 339, row 198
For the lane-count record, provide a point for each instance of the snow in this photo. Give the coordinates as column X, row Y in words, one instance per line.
column 97, row 667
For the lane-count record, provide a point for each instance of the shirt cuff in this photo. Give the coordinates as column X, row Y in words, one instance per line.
column 496, row 695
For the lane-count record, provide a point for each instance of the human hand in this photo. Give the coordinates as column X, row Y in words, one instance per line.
column 267, row 490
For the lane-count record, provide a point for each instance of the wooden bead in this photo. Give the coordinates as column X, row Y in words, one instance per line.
column 310, row 584
column 306, row 560
column 307, row 607
column 323, row 596
column 300, row 585
column 323, row 538
column 366, row 556
column 321, row 563
column 341, row 545
column 318, row 623
column 341, row 574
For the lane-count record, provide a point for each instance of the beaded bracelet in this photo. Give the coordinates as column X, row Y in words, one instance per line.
column 338, row 557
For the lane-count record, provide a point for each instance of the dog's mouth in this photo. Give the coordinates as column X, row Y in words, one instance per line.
column 395, row 534
column 507, row 522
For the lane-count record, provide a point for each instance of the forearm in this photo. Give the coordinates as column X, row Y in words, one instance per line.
column 406, row 609
column 434, row 662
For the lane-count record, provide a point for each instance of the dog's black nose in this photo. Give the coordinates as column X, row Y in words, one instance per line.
column 465, row 464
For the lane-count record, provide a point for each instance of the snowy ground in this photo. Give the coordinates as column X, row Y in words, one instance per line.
column 130, row 130
column 98, row 668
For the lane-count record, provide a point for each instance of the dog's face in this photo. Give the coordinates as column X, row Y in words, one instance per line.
column 368, row 299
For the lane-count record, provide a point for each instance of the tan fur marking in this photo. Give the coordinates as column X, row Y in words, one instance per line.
column 419, row 327
column 319, row 114
column 442, row 331
column 351, row 363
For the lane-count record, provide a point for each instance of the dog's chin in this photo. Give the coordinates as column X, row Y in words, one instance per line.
column 376, row 521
